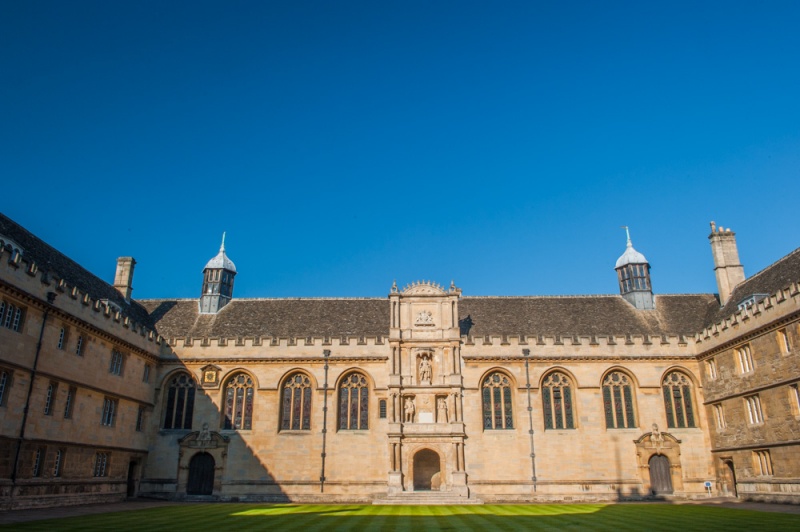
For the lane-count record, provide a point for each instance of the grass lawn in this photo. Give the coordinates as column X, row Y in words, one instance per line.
column 228, row 516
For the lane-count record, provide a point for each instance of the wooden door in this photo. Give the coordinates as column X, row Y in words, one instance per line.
column 201, row 475
column 660, row 477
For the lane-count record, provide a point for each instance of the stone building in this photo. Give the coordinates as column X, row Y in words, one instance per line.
column 428, row 392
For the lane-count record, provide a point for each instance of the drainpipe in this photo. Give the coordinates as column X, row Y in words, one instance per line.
column 527, row 353
column 326, row 353
column 51, row 298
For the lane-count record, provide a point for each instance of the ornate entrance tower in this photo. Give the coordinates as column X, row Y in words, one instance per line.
column 425, row 387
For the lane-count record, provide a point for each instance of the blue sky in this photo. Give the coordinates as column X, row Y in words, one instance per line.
column 343, row 145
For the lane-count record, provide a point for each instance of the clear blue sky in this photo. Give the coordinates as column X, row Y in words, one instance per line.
column 342, row 145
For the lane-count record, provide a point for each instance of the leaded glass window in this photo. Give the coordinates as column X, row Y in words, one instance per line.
column 296, row 403
column 677, row 389
column 354, row 403
column 180, row 402
column 618, row 401
column 497, row 411
column 557, row 402
column 239, row 392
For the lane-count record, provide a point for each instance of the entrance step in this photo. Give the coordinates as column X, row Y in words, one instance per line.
column 426, row 498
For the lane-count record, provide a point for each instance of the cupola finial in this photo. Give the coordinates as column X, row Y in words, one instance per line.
column 222, row 247
column 628, row 234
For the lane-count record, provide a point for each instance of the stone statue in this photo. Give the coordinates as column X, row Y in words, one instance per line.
column 655, row 435
column 409, row 410
column 424, row 371
column 441, row 410
column 205, row 435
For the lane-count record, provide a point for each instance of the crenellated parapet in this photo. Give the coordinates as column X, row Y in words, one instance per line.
column 752, row 318
column 574, row 340
column 277, row 342
column 31, row 282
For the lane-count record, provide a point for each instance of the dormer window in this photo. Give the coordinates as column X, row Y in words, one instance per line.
column 750, row 301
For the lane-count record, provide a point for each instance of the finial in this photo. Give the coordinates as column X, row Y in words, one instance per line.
column 628, row 234
column 713, row 226
column 222, row 247
column 394, row 286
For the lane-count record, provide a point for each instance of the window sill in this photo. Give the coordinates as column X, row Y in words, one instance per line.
column 295, row 432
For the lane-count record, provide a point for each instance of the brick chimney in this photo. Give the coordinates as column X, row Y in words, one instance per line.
column 124, row 276
column 727, row 267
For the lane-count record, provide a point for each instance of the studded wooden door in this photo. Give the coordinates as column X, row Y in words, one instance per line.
column 201, row 475
column 660, row 477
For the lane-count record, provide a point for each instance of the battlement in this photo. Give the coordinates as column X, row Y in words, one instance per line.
column 34, row 281
column 571, row 340
column 278, row 341
column 758, row 314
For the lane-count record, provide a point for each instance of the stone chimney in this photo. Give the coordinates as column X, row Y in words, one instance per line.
column 124, row 276
column 727, row 267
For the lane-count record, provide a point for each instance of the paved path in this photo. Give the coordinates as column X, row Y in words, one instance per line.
column 21, row 516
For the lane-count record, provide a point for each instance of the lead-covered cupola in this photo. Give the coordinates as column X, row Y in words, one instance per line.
column 633, row 272
column 217, row 282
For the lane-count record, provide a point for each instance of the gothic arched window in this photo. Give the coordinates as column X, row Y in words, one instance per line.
column 497, row 411
column 180, row 402
column 239, row 390
column 618, row 401
column 296, row 403
column 557, row 402
column 354, row 403
column 678, row 400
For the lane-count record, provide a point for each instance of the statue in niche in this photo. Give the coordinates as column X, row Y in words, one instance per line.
column 655, row 436
column 409, row 410
column 425, row 370
column 441, row 410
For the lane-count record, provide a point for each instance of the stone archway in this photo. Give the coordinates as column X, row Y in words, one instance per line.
column 659, row 457
column 727, row 478
column 201, row 462
column 427, row 470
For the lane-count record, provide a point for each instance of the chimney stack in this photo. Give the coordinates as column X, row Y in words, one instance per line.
column 727, row 267
column 124, row 276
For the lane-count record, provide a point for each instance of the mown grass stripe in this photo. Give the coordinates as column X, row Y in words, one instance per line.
column 309, row 518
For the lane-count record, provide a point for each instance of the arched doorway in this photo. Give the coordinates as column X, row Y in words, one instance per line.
column 426, row 467
column 201, row 475
column 660, row 477
column 727, row 479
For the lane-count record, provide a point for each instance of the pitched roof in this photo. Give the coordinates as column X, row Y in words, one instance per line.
column 50, row 260
column 272, row 317
column 776, row 276
column 584, row 315
column 577, row 315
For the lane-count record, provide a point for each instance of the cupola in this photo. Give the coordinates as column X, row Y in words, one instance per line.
column 633, row 272
column 217, row 282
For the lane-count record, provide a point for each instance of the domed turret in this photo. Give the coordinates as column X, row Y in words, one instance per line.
column 633, row 272
column 217, row 282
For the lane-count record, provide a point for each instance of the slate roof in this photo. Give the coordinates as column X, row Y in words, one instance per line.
column 584, row 315
column 272, row 317
column 774, row 277
column 50, row 260
column 576, row 315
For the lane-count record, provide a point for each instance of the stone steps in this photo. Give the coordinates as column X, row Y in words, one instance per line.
column 426, row 498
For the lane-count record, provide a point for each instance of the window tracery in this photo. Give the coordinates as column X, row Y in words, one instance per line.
column 239, row 391
column 296, row 403
column 618, row 401
column 354, row 403
column 497, row 408
column 180, row 402
column 557, row 402
column 678, row 404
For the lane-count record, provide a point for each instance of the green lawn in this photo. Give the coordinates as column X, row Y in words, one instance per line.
column 615, row 517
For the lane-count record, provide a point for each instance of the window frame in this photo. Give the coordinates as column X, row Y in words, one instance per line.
column 618, row 407
column 108, row 416
column 680, row 414
column 58, row 463
column 719, row 416
column 117, row 363
column 784, row 344
column 558, row 399
column 238, row 405
column 69, row 404
column 754, row 409
column 295, row 408
column 744, row 355
column 50, row 398
column 352, row 410
column 6, row 379
column 179, row 401
column 762, row 463
column 712, row 372
column 101, row 464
